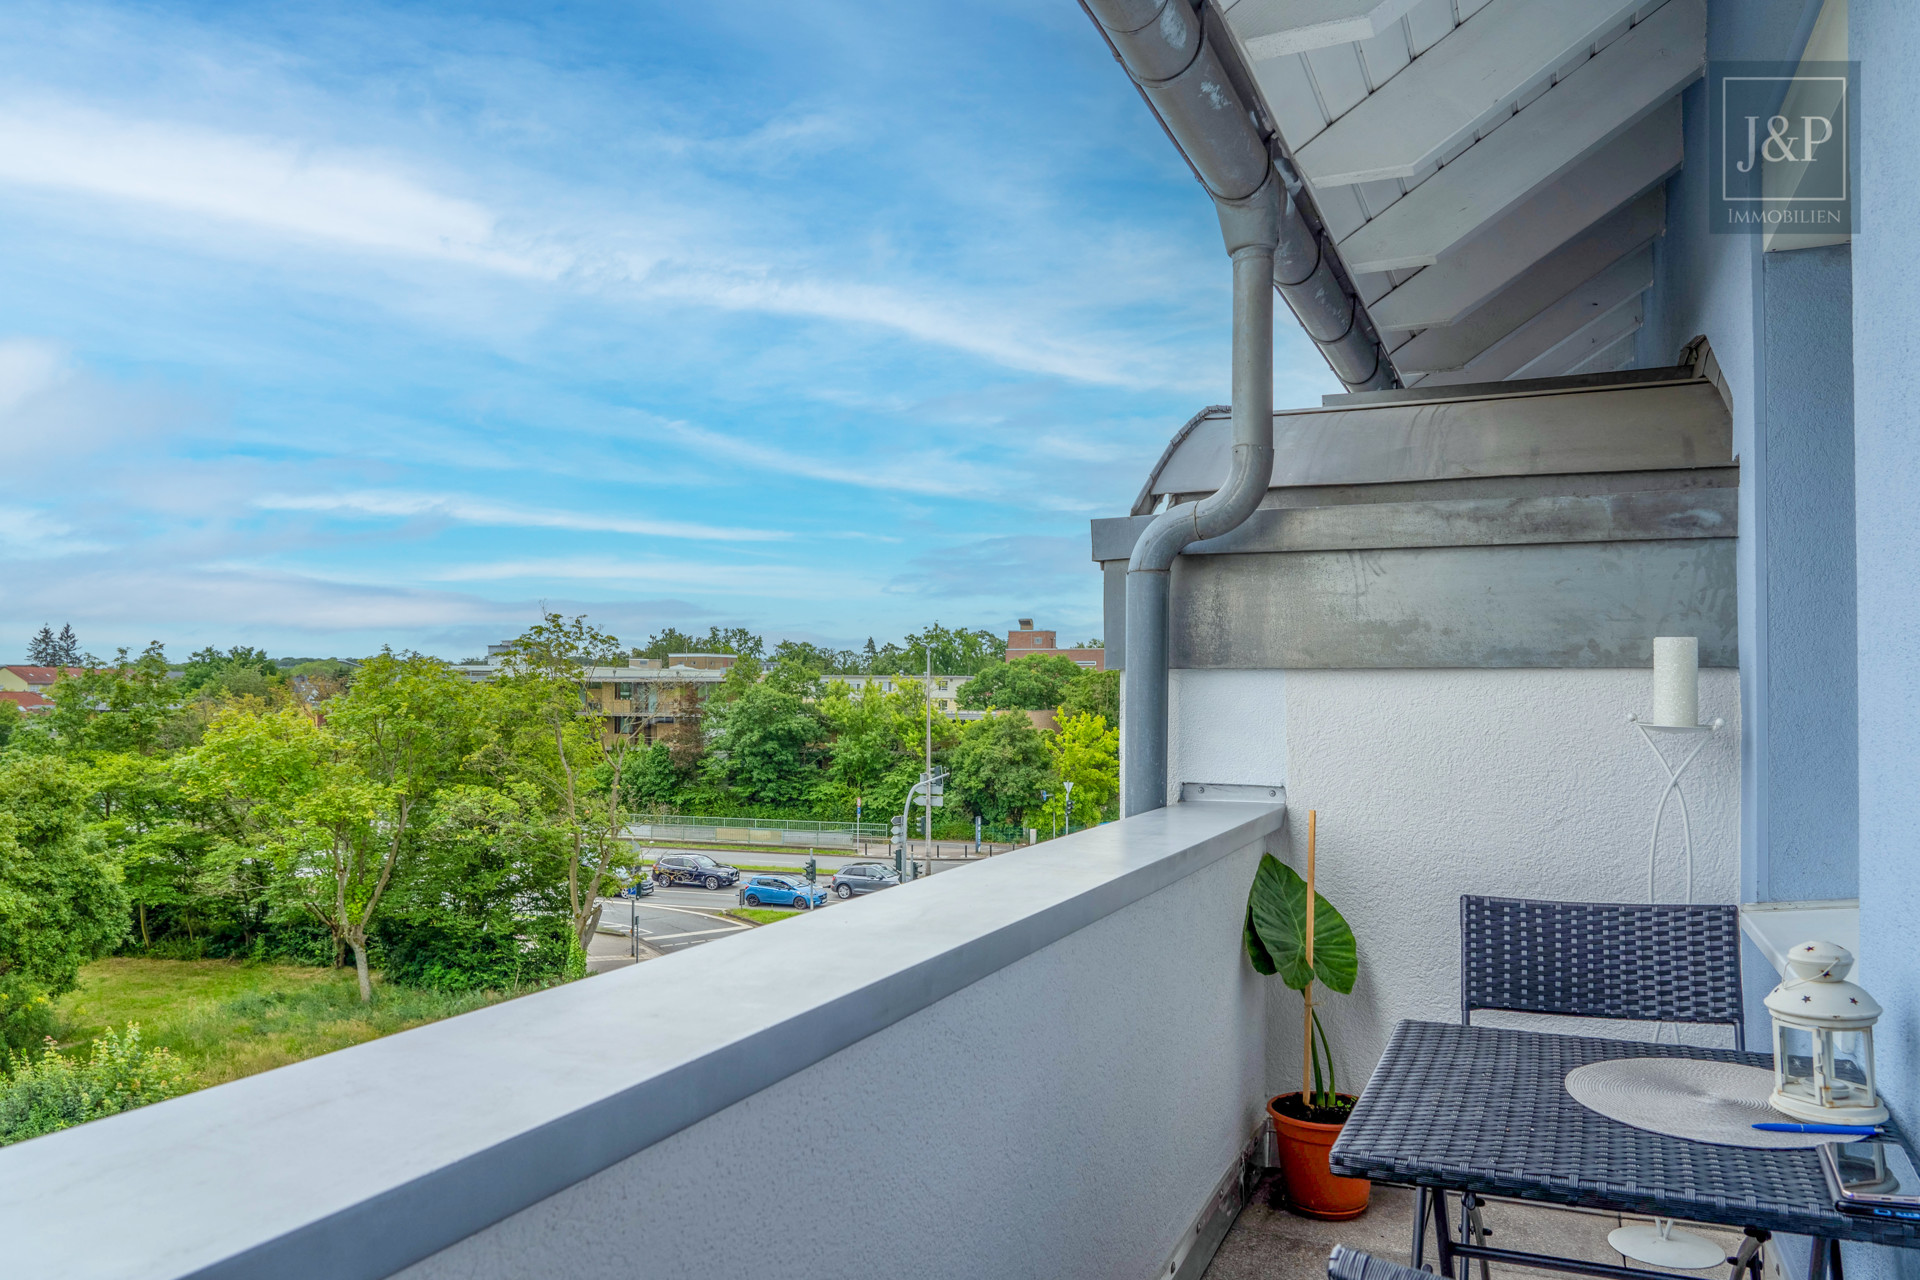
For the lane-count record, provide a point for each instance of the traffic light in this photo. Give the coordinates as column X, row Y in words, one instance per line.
column 899, row 833
column 812, row 867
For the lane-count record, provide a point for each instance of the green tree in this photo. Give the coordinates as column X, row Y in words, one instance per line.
column 767, row 745
column 241, row 670
column 10, row 719
column 999, row 768
column 955, row 652
column 61, row 902
column 489, row 873
column 1093, row 693
column 335, row 803
column 1085, row 752
column 128, row 706
column 735, row 640
column 1037, row 683
column 549, row 733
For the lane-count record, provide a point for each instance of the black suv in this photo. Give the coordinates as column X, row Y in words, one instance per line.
column 694, row 868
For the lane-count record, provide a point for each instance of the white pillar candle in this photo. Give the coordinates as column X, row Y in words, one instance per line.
column 1676, row 681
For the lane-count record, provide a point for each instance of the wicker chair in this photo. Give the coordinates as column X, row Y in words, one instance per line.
column 1351, row 1264
column 1642, row 962
column 1649, row 963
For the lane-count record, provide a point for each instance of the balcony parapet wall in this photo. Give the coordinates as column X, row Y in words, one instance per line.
column 1054, row 1055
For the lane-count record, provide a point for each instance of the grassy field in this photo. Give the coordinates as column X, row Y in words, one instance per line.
column 228, row 1018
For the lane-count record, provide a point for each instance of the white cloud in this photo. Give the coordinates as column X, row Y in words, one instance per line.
column 269, row 184
column 469, row 510
column 930, row 472
column 27, row 534
column 351, row 201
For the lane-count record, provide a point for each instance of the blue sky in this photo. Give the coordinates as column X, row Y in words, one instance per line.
column 329, row 327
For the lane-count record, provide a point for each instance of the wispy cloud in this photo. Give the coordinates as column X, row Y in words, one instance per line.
column 270, row 184
column 396, row 504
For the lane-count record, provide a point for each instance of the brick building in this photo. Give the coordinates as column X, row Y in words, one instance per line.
column 1026, row 642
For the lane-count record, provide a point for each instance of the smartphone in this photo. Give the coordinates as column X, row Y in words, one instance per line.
column 1875, row 1177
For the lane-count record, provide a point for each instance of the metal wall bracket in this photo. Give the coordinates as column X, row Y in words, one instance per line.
column 1236, row 792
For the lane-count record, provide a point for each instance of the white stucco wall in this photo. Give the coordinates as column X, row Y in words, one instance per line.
column 1067, row 1116
column 1431, row 784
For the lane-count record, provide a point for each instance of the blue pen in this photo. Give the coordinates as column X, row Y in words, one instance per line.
column 1851, row 1130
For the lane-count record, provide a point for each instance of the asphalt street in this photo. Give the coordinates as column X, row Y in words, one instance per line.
column 668, row 920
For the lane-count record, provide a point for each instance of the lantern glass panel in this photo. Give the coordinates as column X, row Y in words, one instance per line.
column 1849, row 1070
column 1793, row 1060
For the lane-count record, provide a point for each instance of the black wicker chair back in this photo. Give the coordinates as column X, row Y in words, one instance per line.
column 1351, row 1264
column 1649, row 963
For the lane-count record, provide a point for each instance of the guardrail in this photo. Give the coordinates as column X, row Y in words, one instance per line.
column 709, row 829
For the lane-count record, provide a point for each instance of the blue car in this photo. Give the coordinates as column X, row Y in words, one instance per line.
column 782, row 891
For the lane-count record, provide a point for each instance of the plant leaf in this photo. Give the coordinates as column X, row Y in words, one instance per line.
column 1277, row 920
column 1257, row 954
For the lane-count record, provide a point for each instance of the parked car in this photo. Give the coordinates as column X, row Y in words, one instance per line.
column 862, row 877
column 694, row 868
column 782, row 891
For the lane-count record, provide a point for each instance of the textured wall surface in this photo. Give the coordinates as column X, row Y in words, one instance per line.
column 1885, row 36
column 1811, row 726
column 1068, row 1116
column 1430, row 784
column 1226, row 726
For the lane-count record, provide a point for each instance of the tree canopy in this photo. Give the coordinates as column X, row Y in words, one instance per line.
column 1036, row 683
column 61, row 901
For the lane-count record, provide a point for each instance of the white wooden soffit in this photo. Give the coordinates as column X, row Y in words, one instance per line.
column 1631, row 164
column 1589, row 302
column 1595, row 102
column 1274, row 28
column 1608, row 359
column 1597, row 335
column 1552, row 278
column 1484, row 68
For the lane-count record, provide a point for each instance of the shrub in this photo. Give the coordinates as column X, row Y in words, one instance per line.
column 53, row 1091
column 454, row 956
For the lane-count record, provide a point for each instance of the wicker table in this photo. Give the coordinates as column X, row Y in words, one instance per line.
column 1485, row 1111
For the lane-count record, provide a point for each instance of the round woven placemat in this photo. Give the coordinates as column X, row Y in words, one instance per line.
column 1717, row 1102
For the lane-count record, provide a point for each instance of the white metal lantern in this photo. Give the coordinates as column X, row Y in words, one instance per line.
column 1823, row 1040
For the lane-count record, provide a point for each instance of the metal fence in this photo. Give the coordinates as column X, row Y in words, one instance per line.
column 722, row 830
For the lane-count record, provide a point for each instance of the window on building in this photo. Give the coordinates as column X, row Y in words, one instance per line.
column 623, row 692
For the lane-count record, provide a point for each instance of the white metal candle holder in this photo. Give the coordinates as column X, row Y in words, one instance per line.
column 1659, row 1244
column 1650, row 734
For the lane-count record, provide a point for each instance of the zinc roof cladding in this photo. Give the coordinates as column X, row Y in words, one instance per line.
column 1456, row 72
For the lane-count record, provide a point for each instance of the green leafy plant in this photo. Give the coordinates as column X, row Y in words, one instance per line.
column 52, row 1091
column 1276, row 940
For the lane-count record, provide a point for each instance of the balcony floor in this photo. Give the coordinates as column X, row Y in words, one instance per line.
column 1266, row 1243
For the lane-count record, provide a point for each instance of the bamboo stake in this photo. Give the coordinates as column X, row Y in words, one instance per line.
column 1306, row 1056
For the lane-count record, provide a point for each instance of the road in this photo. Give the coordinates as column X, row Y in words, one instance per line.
column 669, row 920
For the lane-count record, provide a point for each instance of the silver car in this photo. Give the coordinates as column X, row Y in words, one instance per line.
column 862, row 877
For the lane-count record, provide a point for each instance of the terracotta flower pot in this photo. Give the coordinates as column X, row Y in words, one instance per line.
column 1312, row 1186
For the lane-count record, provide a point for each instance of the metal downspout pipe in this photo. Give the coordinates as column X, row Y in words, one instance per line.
column 1250, row 228
column 1163, row 45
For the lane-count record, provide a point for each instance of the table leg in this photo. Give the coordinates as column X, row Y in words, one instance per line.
column 1420, row 1212
column 1748, row 1259
column 1833, row 1259
column 1473, row 1228
column 1441, row 1240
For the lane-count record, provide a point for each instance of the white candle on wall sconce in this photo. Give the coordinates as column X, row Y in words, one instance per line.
column 1676, row 681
